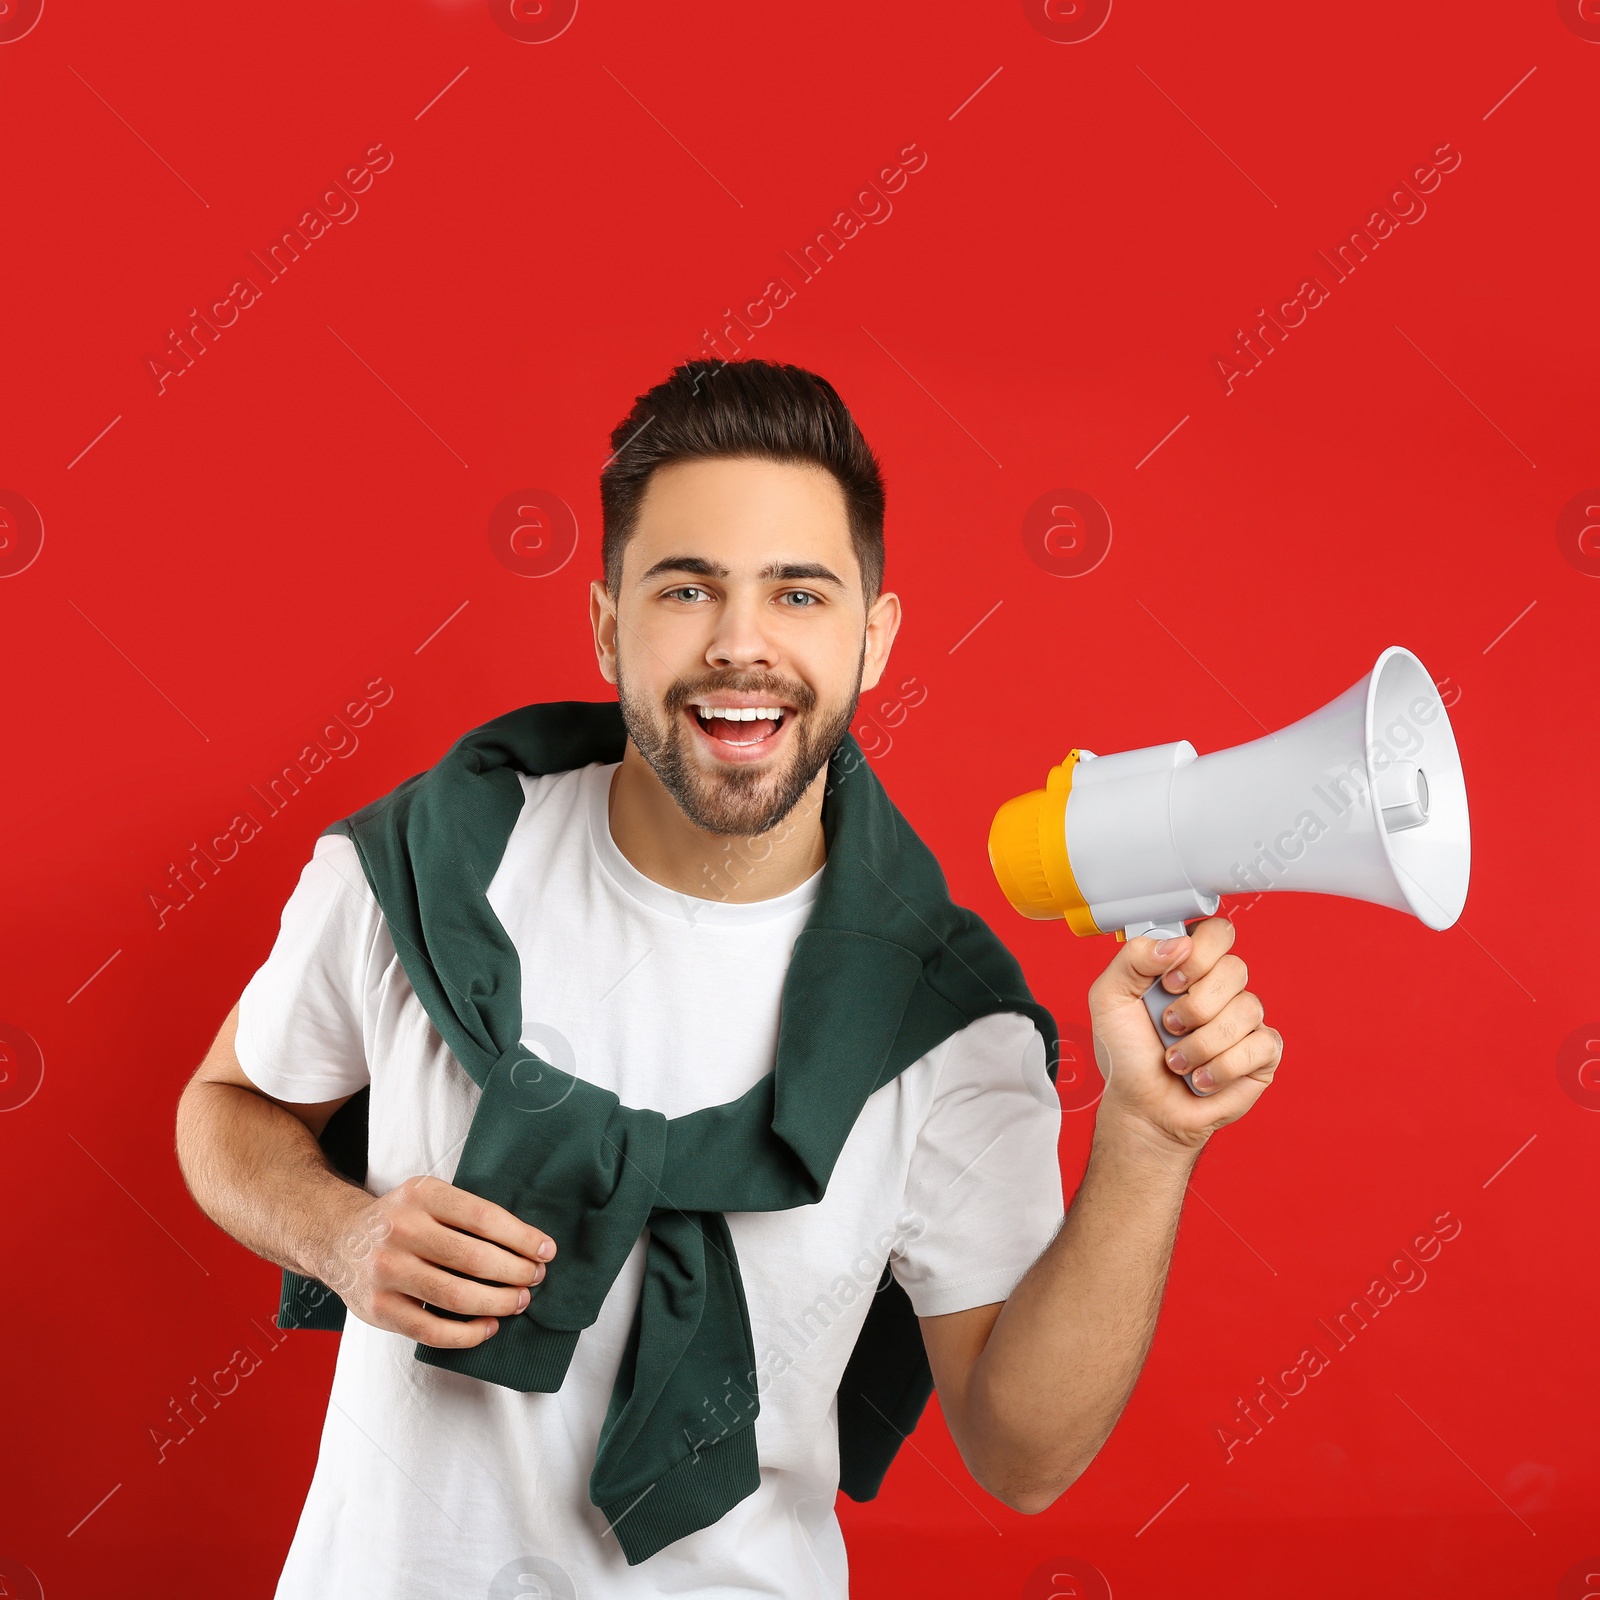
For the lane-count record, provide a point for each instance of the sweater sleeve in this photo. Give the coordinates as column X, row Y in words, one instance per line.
column 984, row 1184
column 302, row 1016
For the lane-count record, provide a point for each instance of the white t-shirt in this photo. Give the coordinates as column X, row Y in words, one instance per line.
column 431, row 1485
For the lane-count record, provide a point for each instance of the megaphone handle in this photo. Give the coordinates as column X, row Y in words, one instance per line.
column 1157, row 999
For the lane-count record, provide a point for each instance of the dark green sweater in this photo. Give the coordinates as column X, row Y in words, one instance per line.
column 885, row 969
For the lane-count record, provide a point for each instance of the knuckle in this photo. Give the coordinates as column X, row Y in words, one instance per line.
column 405, row 1237
column 407, row 1319
column 455, row 1335
column 476, row 1260
column 443, row 1335
column 396, row 1313
column 447, row 1248
column 454, row 1294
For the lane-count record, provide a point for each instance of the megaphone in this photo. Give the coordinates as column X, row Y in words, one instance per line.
column 1364, row 798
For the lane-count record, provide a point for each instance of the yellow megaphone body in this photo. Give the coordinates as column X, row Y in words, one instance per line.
column 1363, row 798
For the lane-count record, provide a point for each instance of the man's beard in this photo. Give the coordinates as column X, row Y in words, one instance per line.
column 740, row 800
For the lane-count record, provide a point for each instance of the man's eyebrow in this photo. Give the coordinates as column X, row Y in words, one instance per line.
column 698, row 566
column 797, row 571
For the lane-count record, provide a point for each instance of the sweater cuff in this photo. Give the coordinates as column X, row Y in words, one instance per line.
column 521, row 1355
column 306, row 1303
column 691, row 1496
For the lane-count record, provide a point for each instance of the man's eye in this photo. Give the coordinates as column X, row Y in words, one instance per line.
column 803, row 598
column 685, row 592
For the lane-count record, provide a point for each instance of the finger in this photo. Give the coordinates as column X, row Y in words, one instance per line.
column 450, row 1291
column 1255, row 1056
column 401, row 1314
column 1207, row 995
column 1137, row 964
column 1212, row 939
column 1240, row 1017
column 473, row 1214
column 444, row 1246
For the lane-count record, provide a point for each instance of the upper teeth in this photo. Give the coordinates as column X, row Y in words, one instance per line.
column 742, row 713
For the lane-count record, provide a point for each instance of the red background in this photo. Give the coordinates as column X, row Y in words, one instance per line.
column 306, row 508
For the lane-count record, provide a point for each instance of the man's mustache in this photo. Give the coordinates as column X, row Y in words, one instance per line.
column 799, row 695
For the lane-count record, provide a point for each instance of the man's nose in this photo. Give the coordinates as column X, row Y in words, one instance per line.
column 739, row 640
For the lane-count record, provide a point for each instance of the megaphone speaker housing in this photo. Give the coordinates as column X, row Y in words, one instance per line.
column 1364, row 798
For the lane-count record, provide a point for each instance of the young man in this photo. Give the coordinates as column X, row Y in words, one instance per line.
column 644, row 1372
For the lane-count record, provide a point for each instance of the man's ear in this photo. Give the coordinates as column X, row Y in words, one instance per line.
column 883, row 623
column 603, row 619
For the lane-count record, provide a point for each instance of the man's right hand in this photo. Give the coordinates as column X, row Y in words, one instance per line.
column 254, row 1166
column 387, row 1256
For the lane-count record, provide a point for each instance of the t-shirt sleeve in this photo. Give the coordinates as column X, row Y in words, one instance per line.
column 984, row 1185
column 302, row 1031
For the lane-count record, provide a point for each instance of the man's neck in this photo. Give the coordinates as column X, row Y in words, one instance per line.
column 650, row 829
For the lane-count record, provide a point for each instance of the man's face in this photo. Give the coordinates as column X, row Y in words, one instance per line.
column 740, row 592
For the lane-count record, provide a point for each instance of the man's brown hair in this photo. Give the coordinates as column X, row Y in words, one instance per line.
column 763, row 409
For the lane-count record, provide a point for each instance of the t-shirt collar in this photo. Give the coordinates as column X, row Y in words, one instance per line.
column 709, row 910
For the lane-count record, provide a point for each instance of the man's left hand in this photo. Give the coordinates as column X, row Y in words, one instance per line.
column 1219, row 1026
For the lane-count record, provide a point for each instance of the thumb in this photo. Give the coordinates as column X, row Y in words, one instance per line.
column 1141, row 962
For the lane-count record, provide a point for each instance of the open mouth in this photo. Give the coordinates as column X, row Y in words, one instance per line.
column 747, row 730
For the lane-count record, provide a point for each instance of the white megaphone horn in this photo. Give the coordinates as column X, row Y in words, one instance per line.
column 1364, row 798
